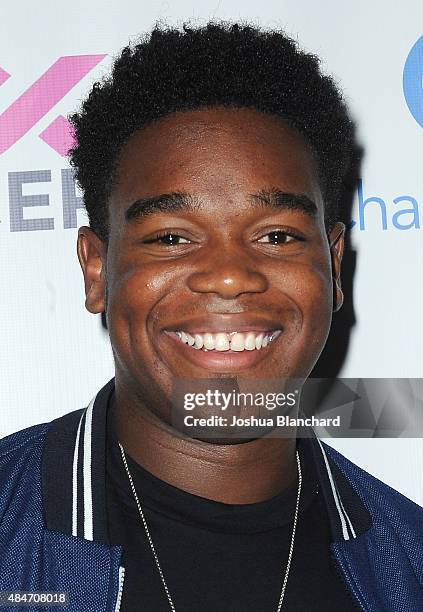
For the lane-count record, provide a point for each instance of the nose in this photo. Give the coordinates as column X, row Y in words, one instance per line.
column 228, row 275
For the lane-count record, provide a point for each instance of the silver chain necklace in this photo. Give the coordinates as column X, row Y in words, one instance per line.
column 153, row 550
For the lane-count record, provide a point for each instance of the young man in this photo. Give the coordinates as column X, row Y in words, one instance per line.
column 211, row 163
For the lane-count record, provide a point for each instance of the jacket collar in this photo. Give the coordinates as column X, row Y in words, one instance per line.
column 74, row 477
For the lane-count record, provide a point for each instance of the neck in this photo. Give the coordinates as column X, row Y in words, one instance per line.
column 243, row 473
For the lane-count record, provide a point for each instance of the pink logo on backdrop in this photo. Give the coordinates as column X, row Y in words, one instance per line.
column 40, row 98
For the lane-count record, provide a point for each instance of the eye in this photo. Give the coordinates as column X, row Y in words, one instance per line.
column 167, row 239
column 280, row 237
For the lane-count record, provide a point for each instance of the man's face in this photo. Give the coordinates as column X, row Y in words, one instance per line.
column 238, row 193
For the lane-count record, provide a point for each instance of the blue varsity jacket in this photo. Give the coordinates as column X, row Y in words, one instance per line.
column 53, row 523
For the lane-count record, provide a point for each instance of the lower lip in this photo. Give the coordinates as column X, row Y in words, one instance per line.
column 222, row 360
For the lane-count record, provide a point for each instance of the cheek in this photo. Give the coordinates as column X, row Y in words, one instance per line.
column 315, row 292
column 136, row 294
column 316, row 301
column 308, row 288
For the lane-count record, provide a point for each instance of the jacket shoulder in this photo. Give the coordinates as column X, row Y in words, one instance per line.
column 384, row 564
column 384, row 503
column 23, row 438
column 21, row 456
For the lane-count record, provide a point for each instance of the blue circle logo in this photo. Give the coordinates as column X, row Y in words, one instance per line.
column 413, row 81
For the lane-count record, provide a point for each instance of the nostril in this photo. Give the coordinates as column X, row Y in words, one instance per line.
column 229, row 282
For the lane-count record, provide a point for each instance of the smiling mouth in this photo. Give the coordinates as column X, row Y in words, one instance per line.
column 232, row 342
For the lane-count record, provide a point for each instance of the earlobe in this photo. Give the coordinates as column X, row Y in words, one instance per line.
column 336, row 241
column 338, row 296
column 91, row 255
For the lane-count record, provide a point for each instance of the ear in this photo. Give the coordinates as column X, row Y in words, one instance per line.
column 337, row 242
column 92, row 258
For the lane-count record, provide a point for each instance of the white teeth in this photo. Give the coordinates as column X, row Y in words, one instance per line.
column 198, row 341
column 250, row 341
column 208, row 342
column 237, row 342
column 222, row 341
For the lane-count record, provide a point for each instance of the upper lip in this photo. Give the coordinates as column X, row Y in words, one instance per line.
column 225, row 323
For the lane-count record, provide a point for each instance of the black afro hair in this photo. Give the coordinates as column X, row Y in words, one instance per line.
column 219, row 64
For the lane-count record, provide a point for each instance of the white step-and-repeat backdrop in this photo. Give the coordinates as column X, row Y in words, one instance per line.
column 54, row 355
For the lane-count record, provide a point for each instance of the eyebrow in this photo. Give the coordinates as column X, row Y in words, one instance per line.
column 276, row 198
column 166, row 203
column 184, row 202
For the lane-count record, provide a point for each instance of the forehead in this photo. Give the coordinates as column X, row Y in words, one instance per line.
column 214, row 150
